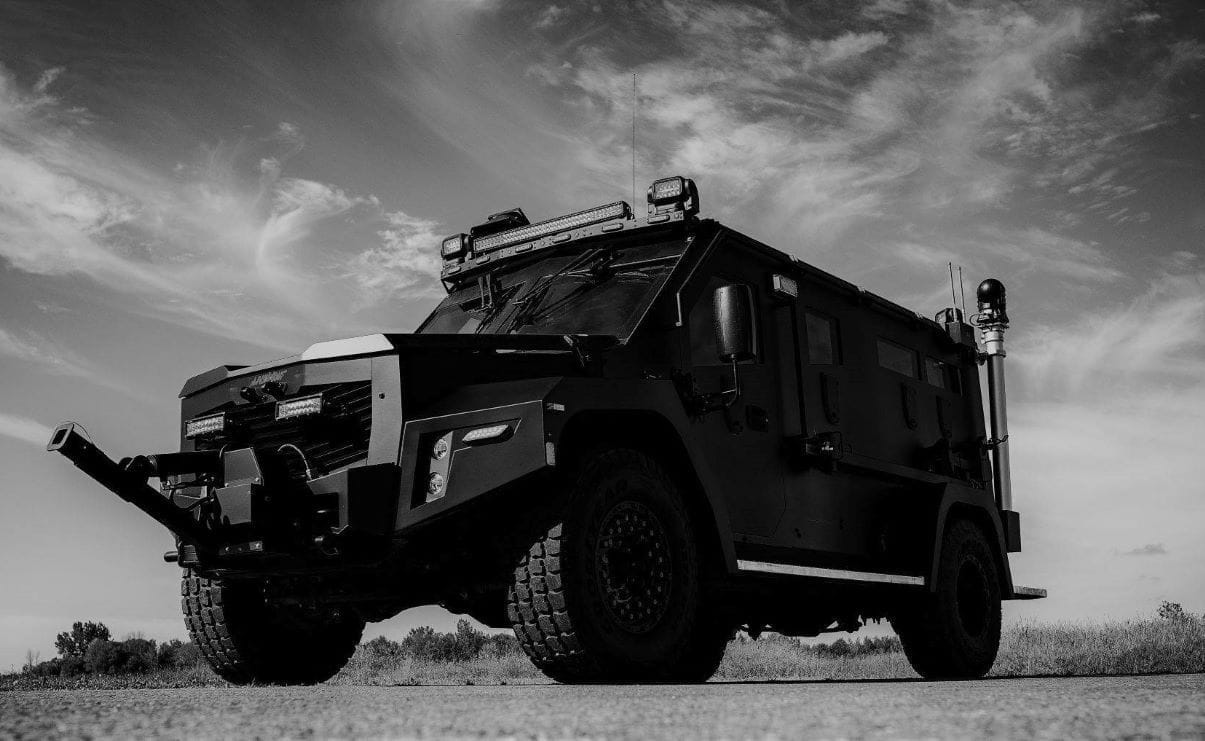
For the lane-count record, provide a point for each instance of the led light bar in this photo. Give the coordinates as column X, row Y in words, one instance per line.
column 210, row 424
column 485, row 434
column 299, row 407
column 617, row 210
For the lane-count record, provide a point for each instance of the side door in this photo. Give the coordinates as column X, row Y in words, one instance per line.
column 744, row 442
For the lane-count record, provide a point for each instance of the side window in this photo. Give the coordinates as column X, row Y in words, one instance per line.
column 942, row 375
column 822, row 339
column 703, row 350
column 897, row 358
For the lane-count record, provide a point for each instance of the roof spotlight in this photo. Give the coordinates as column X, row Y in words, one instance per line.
column 454, row 246
column 673, row 194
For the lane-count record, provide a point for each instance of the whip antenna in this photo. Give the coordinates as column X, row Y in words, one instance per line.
column 962, row 287
column 633, row 140
column 953, row 297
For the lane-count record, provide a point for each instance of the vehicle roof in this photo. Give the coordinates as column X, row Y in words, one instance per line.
column 679, row 222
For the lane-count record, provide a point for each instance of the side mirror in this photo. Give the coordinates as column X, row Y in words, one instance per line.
column 735, row 332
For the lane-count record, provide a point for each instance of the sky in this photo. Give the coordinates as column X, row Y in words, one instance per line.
column 186, row 185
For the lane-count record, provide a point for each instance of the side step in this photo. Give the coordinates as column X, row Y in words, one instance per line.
column 1028, row 593
column 766, row 567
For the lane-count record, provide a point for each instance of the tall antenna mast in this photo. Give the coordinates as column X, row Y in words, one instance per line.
column 953, row 297
column 633, row 140
column 962, row 287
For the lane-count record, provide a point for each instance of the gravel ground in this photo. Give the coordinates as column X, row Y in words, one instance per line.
column 1092, row 707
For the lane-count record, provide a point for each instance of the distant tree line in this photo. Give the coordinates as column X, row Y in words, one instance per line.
column 89, row 649
column 427, row 644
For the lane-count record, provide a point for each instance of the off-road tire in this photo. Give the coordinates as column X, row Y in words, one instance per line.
column 955, row 632
column 567, row 612
column 247, row 641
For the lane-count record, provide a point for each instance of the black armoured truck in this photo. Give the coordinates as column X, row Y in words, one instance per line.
column 623, row 437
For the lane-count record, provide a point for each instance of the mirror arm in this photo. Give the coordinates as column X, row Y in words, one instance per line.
column 735, row 391
column 717, row 401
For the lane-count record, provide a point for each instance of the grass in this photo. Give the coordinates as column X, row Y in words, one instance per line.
column 1063, row 649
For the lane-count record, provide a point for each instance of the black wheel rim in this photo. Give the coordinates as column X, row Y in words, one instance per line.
column 632, row 562
column 974, row 598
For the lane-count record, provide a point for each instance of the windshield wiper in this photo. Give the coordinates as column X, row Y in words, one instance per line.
column 592, row 261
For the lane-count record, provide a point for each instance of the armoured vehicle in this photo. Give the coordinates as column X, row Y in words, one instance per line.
column 625, row 437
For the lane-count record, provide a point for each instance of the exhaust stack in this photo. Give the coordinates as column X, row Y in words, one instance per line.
column 992, row 320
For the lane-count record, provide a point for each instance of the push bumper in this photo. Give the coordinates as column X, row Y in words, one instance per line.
column 242, row 508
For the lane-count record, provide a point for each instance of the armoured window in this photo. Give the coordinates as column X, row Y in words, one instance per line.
column 822, row 339
column 548, row 296
column 942, row 375
column 897, row 358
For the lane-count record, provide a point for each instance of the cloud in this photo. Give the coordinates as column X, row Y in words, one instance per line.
column 549, row 17
column 33, row 348
column 1155, row 341
column 225, row 243
column 46, row 79
column 1150, row 549
column 24, row 429
column 405, row 262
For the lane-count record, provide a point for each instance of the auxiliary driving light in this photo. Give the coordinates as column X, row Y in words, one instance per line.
column 673, row 194
column 486, row 434
column 435, row 487
column 441, row 447
column 454, row 246
column 299, row 407
column 210, row 424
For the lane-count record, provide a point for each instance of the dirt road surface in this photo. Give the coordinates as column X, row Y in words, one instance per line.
column 1096, row 707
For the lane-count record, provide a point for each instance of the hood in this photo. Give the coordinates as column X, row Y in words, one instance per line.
column 385, row 344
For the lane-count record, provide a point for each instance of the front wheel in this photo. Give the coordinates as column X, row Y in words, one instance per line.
column 613, row 591
column 954, row 633
column 246, row 640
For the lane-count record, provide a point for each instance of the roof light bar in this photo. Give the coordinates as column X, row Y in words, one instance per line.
column 617, row 210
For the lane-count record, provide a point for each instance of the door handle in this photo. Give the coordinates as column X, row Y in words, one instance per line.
column 757, row 418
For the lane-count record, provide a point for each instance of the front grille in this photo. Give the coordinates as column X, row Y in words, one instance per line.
column 328, row 441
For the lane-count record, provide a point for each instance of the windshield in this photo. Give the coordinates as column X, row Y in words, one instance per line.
column 600, row 289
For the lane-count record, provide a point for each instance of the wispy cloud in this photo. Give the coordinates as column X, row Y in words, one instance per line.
column 404, row 263
column 225, row 243
column 1156, row 341
column 1150, row 549
column 44, row 353
column 24, row 429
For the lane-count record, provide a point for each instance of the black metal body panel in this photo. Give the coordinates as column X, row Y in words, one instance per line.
column 474, row 470
column 578, row 396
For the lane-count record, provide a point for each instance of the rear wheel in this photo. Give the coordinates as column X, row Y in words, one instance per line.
column 955, row 632
column 614, row 590
column 246, row 640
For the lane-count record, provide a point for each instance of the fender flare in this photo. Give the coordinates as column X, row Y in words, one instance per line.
column 656, row 398
column 958, row 500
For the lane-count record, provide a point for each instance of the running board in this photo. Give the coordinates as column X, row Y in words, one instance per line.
column 1028, row 593
column 837, row 574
